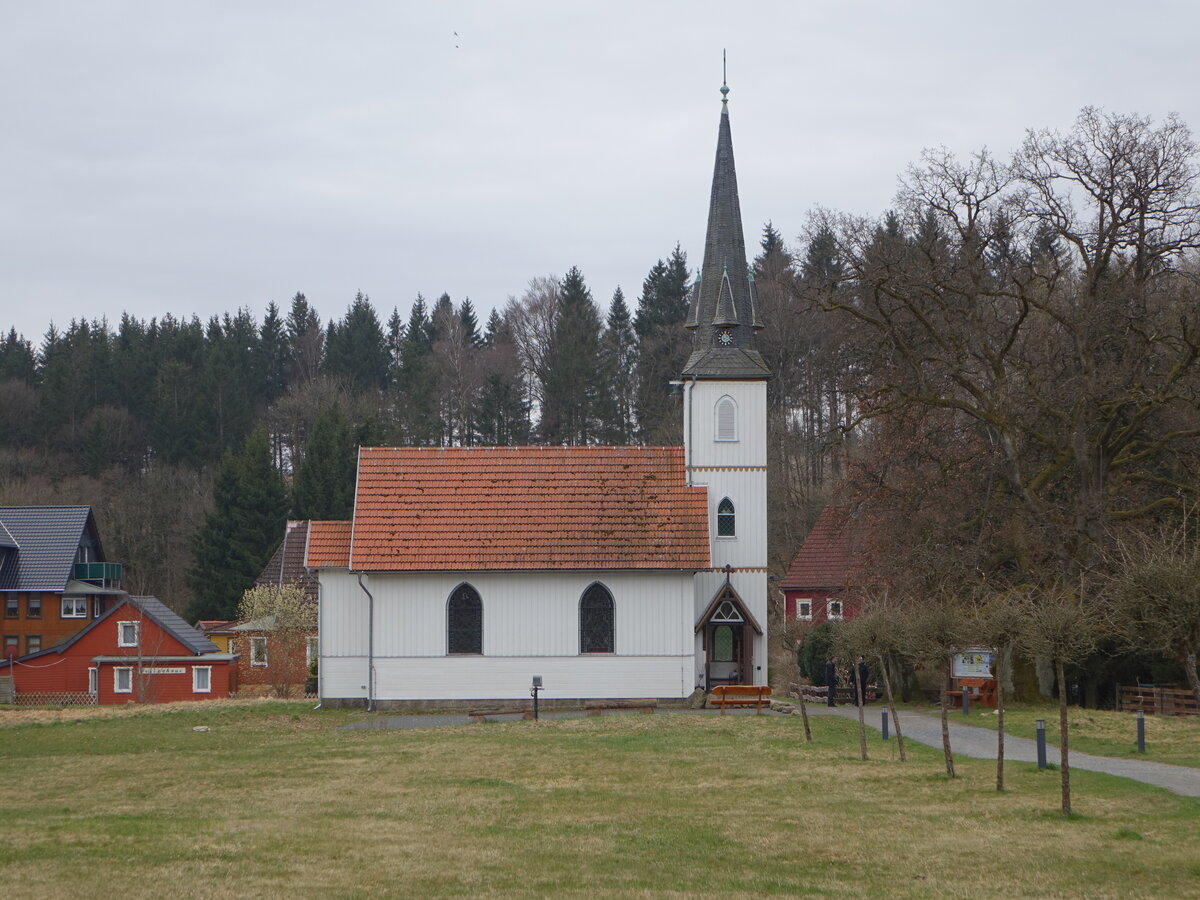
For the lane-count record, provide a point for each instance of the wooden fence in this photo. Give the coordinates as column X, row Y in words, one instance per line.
column 1160, row 701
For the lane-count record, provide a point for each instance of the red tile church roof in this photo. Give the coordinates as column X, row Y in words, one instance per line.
column 328, row 545
column 828, row 556
column 530, row 508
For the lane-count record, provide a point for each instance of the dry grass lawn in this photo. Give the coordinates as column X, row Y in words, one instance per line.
column 276, row 801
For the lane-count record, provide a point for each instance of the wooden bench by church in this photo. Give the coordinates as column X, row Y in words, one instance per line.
column 599, row 707
column 482, row 715
column 755, row 695
column 980, row 690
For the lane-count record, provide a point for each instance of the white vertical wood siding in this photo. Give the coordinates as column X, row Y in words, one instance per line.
column 700, row 425
column 529, row 620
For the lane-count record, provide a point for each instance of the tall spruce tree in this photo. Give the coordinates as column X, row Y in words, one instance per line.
column 618, row 360
column 663, row 346
column 415, row 409
column 569, row 408
column 240, row 533
column 324, row 484
column 501, row 414
column 356, row 347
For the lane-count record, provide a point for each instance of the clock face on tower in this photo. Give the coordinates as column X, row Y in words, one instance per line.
column 724, row 338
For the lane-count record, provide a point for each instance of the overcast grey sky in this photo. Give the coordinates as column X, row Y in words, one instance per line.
column 191, row 157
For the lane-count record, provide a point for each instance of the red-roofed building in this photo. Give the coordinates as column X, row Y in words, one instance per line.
column 609, row 571
column 817, row 587
column 138, row 651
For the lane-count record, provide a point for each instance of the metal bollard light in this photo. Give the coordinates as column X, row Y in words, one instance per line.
column 885, row 725
column 1041, row 743
column 1141, row 731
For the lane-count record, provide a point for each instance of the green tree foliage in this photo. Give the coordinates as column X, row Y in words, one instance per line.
column 663, row 348
column 618, row 362
column 572, row 377
column 240, row 533
column 415, row 409
column 17, row 361
column 501, row 414
column 356, row 347
column 323, row 487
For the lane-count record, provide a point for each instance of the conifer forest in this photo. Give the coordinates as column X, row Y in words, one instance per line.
column 1000, row 373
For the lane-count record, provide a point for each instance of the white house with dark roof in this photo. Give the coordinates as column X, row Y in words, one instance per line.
column 612, row 572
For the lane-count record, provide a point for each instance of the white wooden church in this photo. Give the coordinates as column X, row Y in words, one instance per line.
column 612, row 572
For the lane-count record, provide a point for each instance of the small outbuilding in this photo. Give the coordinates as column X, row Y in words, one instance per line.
column 818, row 585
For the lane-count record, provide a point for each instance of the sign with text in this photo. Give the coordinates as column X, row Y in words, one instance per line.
column 974, row 663
column 163, row 670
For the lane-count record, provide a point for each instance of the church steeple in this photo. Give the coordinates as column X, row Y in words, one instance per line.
column 723, row 312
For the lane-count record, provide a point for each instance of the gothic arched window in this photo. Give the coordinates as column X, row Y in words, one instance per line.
column 464, row 621
column 726, row 419
column 596, row 620
column 726, row 520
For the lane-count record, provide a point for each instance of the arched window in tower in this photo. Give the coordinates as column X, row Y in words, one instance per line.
column 726, row 419
column 726, row 520
column 464, row 621
column 596, row 620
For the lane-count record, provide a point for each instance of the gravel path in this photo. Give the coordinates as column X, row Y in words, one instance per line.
column 980, row 743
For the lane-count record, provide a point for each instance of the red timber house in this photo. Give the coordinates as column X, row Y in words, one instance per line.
column 139, row 651
column 54, row 577
column 819, row 583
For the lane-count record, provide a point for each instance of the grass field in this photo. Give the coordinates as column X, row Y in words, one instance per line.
column 274, row 800
column 1169, row 739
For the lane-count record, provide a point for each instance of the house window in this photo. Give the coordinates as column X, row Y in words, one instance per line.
column 464, row 621
column 33, row 606
column 97, row 607
column 12, row 606
column 258, row 651
column 726, row 520
column 596, row 620
column 231, row 647
column 127, row 634
column 123, row 680
column 311, row 649
column 834, row 610
column 12, row 645
column 722, row 650
column 93, row 681
column 33, row 643
column 726, row 419
column 201, row 679
column 804, row 610
column 74, row 607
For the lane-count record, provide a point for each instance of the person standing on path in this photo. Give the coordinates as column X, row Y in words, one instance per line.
column 858, row 678
column 831, row 681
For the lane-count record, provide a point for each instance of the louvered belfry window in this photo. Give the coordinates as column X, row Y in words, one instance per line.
column 596, row 620
column 726, row 419
column 464, row 621
column 726, row 521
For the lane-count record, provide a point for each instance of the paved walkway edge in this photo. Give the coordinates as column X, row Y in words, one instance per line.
column 980, row 743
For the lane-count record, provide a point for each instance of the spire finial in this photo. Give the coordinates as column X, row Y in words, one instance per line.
column 724, row 80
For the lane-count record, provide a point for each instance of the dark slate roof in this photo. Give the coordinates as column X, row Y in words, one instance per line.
column 46, row 538
column 154, row 609
column 287, row 565
column 724, row 300
column 170, row 622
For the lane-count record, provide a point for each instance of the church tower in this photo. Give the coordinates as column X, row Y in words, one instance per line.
column 725, row 439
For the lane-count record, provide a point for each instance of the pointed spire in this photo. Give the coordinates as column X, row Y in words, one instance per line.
column 723, row 314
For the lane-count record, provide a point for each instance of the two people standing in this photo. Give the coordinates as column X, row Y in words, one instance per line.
column 859, row 676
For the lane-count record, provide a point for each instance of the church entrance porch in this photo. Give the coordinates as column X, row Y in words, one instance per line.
column 728, row 631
